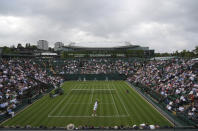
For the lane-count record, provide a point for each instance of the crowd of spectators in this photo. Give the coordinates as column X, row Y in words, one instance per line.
column 70, row 126
column 92, row 66
column 18, row 77
column 175, row 81
column 142, row 126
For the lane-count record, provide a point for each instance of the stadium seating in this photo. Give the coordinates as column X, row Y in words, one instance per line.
column 20, row 80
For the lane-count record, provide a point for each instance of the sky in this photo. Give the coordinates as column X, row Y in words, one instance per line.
column 162, row 25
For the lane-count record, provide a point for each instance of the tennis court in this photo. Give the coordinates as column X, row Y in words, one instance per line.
column 115, row 107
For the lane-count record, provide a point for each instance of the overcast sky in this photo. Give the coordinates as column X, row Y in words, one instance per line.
column 163, row 25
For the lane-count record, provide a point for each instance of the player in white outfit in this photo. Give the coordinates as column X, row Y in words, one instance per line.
column 95, row 108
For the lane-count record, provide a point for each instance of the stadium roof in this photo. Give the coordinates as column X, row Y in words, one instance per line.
column 125, row 46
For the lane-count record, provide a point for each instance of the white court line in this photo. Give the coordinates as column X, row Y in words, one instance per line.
column 87, row 103
column 122, row 102
column 149, row 103
column 113, row 101
column 70, row 98
column 90, row 116
column 79, row 89
column 60, row 102
column 110, row 116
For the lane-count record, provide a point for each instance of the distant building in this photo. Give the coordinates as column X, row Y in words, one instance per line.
column 58, row 46
column 127, row 50
column 42, row 44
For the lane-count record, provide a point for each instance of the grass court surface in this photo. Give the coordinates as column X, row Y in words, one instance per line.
column 116, row 107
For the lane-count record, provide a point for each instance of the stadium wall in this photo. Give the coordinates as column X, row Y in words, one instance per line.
column 82, row 77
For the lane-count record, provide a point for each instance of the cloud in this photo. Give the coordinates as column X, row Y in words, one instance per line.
column 165, row 26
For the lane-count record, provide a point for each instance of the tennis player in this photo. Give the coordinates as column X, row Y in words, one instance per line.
column 95, row 108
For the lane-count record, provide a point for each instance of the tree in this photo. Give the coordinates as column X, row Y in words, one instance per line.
column 196, row 50
column 12, row 47
column 19, row 46
column 186, row 53
column 33, row 47
column 176, row 53
column 6, row 50
column 27, row 45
